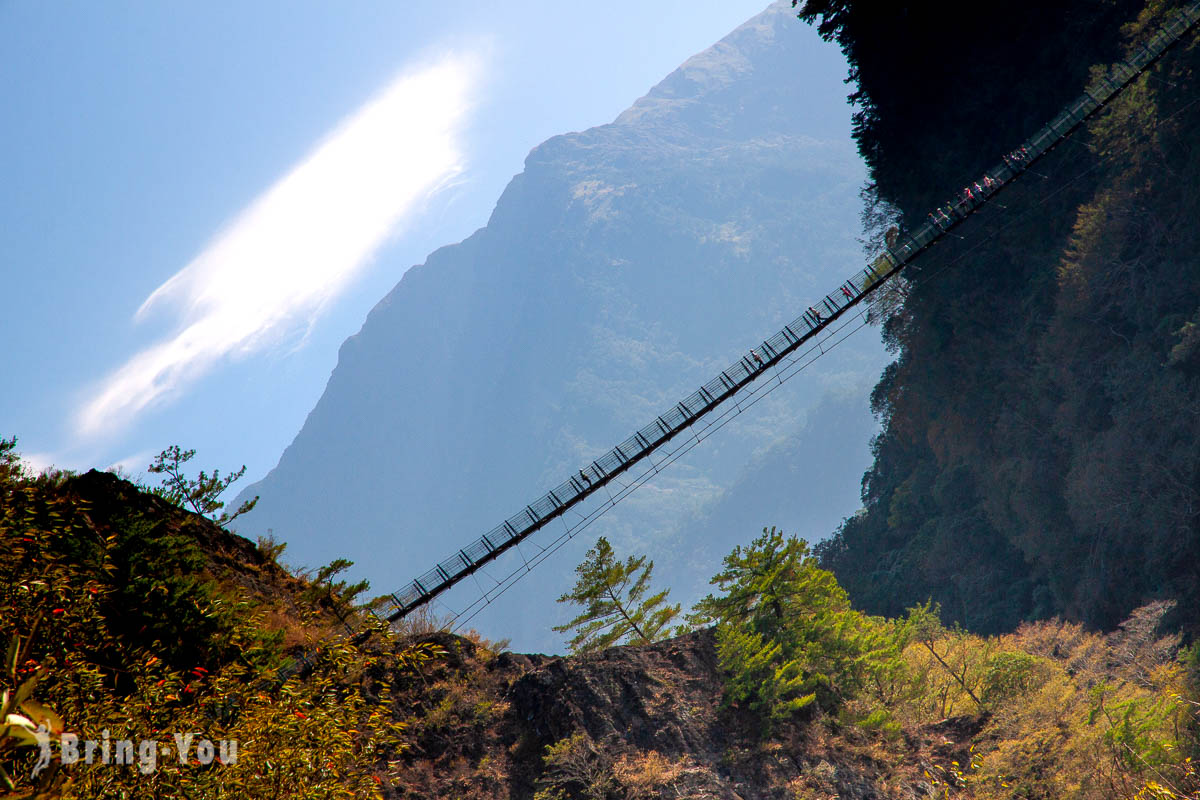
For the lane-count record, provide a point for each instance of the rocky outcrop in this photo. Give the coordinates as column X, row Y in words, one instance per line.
column 646, row 722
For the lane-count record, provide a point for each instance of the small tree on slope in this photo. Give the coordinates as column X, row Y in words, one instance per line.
column 615, row 612
column 195, row 494
column 786, row 634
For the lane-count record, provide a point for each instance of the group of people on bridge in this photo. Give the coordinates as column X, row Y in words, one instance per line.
column 972, row 194
column 1017, row 159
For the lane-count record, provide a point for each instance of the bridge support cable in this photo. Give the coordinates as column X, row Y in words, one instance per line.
column 780, row 350
column 752, row 397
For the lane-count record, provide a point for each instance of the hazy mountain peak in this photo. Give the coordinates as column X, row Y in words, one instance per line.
column 751, row 60
column 621, row 269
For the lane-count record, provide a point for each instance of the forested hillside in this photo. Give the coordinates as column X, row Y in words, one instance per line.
column 151, row 654
column 1039, row 452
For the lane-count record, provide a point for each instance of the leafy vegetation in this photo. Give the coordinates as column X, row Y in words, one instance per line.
column 1050, row 711
column 117, row 621
column 1040, row 437
column 577, row 767
column 334, row 594
column 786, row 632
column 1038, row 458
column 616, row 609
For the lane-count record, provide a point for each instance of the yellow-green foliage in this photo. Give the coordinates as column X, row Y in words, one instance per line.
column 577, row 767
column 1066, row 713
column 110, row 665
column 786, row 635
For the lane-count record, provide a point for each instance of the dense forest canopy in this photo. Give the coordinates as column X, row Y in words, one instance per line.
column 1039, row 450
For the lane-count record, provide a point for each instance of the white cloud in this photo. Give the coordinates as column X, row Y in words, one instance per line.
column 297, row 246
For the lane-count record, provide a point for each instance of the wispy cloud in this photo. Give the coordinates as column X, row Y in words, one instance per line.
column 297, row 246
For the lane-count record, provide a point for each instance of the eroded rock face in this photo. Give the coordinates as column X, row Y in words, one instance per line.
column 650, row 722
column 652, row 697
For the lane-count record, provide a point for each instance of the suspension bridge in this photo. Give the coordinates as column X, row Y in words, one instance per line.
column 810, row 331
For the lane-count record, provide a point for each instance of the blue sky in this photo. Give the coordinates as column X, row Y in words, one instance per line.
column 202, row 201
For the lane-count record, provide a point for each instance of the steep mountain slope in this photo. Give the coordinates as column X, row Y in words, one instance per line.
column 1040, row 446
column 137, row 621
column 619, row 271
column 652, row 722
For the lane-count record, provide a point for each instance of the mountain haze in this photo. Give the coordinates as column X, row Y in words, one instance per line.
column 622, row 268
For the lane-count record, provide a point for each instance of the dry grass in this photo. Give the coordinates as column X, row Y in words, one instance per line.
column 1065, row 713
column 422, row 622
column 644, row 774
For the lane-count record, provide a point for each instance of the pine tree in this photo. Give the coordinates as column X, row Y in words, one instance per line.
column 196, row 494
column 759, row 675
column 786, row 634
column 615, row 612
column 769, row 584
column 10, row 460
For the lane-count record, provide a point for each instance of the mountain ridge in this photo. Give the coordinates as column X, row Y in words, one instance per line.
column 622, row 268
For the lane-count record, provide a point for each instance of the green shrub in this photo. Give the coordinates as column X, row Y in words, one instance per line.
column 787, row 636
column 1009, row 675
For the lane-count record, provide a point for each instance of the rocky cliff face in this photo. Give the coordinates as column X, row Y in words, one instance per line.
column 619, row 270
column 642, row 722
